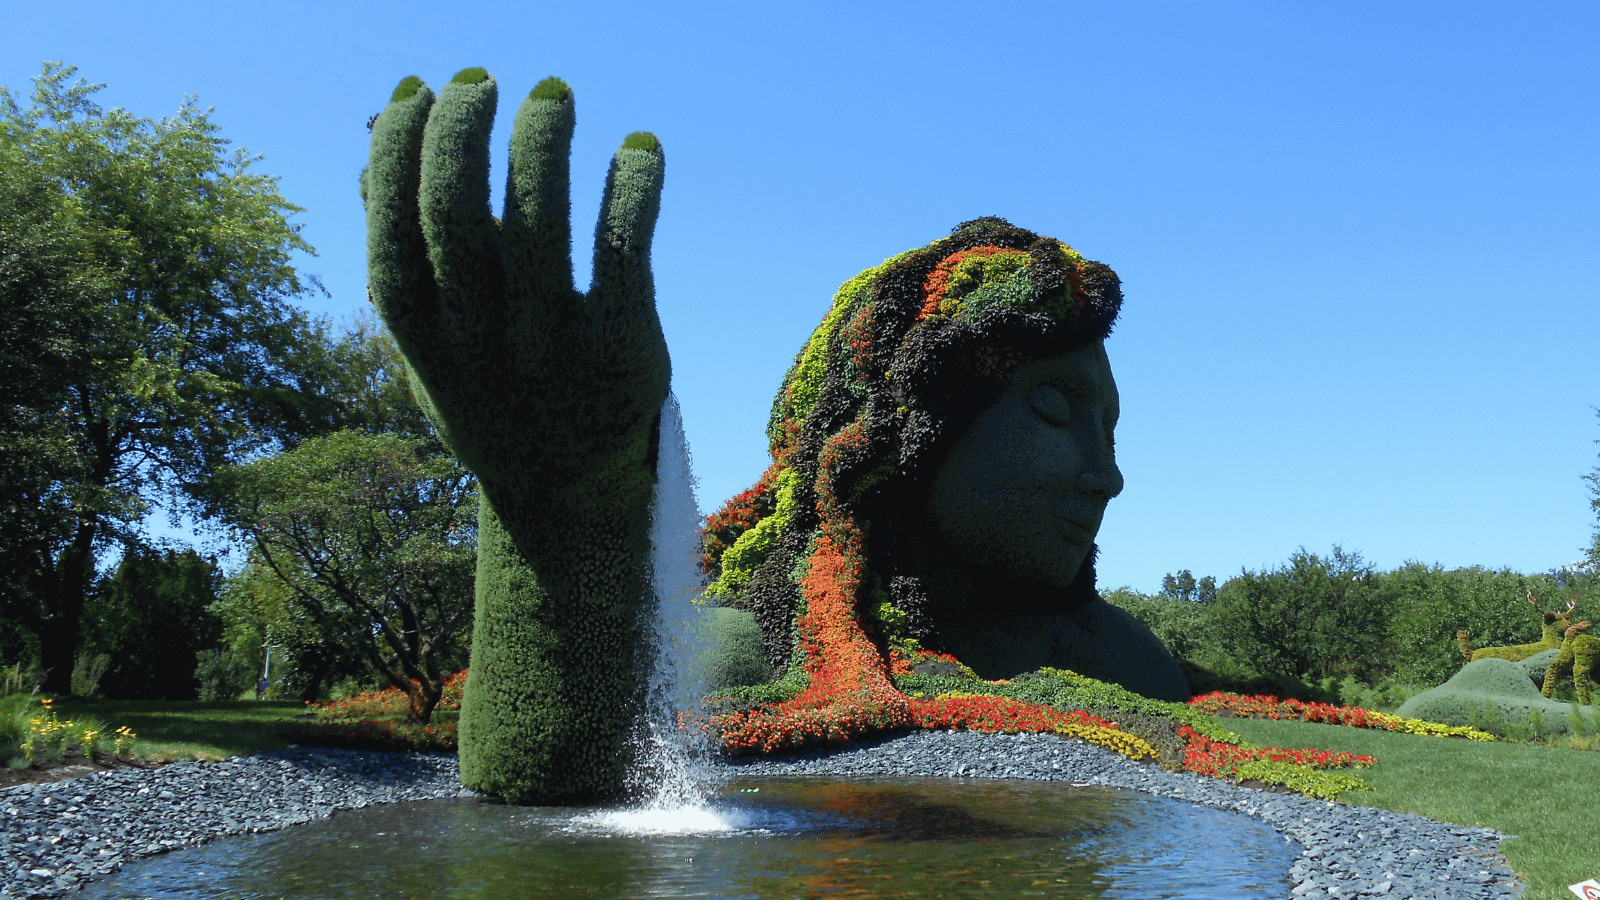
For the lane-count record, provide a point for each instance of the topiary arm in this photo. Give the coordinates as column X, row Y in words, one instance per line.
column 549, row 396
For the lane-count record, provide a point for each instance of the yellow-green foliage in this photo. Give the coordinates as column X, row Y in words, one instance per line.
column 739, row 561
column 1430, row 729
column 798, row 397
column 1311, row 782
column 1580, row 654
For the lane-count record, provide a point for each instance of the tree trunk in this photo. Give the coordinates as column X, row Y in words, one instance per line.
column 61, row 625
column 421, row 698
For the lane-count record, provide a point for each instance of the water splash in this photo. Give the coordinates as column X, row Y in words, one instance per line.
column 673, row 778
column 673, row 820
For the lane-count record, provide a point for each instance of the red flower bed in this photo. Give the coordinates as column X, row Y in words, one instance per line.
column 375, row 720
column 1211, row 757
column 1266, row 706
column 738, row 515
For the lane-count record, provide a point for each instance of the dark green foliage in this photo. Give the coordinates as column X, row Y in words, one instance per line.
column 549, row 396
column 470, row 75
column 406, row 89
column 1184, row 626
column 738, row 658
column 1411, row 615
column 553, row 88
column 1313, row 617
column 223, row 675
column 1427, row 605
column 153, row 618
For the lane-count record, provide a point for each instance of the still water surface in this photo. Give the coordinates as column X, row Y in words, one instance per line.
column 767, row 838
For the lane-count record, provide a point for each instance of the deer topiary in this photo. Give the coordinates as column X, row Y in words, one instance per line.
column 1555, row 627
column 1579, row 653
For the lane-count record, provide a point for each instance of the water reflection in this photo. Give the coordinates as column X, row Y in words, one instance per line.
column 763, row 839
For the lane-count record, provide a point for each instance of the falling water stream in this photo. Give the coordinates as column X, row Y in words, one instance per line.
column 695, row 833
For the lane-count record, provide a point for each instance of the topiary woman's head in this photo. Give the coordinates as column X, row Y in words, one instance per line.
column 955, row 405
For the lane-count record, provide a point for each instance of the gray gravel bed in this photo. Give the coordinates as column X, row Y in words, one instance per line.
column 54, row 837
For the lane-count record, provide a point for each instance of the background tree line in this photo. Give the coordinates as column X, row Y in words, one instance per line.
column 1316, row 622
column 151, row 356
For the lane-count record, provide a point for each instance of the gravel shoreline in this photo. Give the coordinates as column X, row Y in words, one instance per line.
column 56, row 836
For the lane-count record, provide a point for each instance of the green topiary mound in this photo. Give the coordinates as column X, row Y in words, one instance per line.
column 1500, row 696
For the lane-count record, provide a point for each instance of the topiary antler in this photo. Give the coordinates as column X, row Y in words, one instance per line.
column 549, row 396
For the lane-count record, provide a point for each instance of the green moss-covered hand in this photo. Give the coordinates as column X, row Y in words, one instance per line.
column 550, row 396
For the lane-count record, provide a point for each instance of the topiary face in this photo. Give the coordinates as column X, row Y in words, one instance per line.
column 980, row 326
column 1020, row 494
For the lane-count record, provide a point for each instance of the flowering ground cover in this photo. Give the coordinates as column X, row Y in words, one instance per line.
column 376, row 720
column 35, row 732
column 1264, row 706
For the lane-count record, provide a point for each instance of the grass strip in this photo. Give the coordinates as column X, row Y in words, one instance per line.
column 171, row 730
column 1544, row 797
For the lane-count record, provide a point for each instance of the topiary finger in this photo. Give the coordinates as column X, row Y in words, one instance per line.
column 463, row 241
column 622, row 281
column 537, row 231
column 399, row 276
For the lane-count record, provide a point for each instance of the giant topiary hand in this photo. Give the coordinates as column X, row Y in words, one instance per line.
column 549, row 396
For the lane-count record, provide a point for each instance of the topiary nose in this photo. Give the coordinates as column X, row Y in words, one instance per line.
column 1104, row 482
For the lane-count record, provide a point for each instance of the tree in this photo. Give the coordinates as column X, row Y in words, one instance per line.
column 1182, row 586
column 367, row 388
column 152, row 617
column 1312, row 617
column 309, row 646
column 47, row 270
column 158, row 315
column 366, row 526
column 1594, row 503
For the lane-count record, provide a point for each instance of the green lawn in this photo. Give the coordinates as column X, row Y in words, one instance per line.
column 1548, row 798
column 191, row 729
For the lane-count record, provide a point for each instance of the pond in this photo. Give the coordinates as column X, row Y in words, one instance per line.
column 764, row 838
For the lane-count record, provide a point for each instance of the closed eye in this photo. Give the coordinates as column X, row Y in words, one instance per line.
column 1050, row 404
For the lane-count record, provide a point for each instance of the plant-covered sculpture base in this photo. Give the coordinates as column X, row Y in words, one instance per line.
column 941, row 458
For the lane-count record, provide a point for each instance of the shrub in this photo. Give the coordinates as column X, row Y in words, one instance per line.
column 222, row 674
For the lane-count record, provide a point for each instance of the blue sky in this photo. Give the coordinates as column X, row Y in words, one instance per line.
column 1359, row 242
